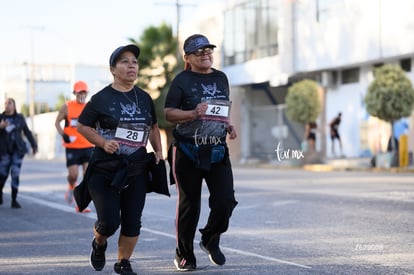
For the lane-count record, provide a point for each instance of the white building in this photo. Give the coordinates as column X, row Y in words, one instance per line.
column 269, row 44
column 44, row 85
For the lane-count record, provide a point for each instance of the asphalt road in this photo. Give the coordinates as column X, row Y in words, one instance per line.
column 288, row 221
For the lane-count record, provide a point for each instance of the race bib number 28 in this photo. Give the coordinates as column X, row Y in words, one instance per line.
column 132, row 134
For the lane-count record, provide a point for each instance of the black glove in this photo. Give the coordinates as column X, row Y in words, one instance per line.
column 66, row 138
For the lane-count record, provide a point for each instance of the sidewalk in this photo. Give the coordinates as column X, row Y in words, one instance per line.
column 329, row 164
column 354, row 164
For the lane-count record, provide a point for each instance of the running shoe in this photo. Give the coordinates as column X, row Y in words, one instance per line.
column 97, row 259
column 15, row 204
column 69, row 194
column 215, row 255
column 124, row 267
column 182, row 264
column 86, row 210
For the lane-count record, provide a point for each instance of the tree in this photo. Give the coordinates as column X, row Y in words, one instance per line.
column 60, row 101
column 302, row 101
column 390, row 96
column 158, row 65
column 40, row 108
column 24, row 110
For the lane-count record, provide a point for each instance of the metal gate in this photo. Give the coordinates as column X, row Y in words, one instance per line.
column 271, row 129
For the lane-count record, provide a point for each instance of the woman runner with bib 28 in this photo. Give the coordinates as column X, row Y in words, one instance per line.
column 198, row 103
column 119, row 120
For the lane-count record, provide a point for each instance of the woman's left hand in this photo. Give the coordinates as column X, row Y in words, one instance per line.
column 232, row 132
column 158, row 157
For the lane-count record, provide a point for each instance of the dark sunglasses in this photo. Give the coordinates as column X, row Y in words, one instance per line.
column 204, row 51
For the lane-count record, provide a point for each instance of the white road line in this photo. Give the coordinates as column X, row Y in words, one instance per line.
column 91, row 215
column 245, row 253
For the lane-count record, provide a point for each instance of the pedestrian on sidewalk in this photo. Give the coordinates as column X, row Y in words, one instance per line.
column 78, row 149
column 310, row 136
column 119, row 120
column 198, row 103
column 13, row 148
column 334, row 132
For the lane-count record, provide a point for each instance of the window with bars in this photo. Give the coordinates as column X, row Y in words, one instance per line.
column 250, row 31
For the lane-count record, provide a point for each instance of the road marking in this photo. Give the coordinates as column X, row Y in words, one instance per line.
column 92, row 215
column 245, row 253
column 283, row 203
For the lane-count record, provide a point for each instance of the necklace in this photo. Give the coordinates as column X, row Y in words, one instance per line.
column 133, row 103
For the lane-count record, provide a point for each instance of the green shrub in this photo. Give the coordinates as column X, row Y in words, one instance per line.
column 302, row 101
column 390, row 96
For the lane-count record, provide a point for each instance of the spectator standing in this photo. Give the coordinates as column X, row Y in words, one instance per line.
column 310, row 136
column 334, row 132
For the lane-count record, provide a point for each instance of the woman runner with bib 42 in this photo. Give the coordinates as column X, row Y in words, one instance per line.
column 198, row 103
column 118, row 120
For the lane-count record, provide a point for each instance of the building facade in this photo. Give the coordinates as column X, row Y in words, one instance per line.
column 268, row 45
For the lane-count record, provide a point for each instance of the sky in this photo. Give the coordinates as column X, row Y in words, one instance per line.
column 80, row 31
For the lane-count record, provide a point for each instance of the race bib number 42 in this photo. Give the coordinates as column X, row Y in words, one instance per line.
column 218, row 110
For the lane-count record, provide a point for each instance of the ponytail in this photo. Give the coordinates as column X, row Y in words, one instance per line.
column 187, row 66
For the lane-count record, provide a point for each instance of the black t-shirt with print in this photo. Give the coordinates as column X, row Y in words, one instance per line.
column 109, row 108
column 189, row 89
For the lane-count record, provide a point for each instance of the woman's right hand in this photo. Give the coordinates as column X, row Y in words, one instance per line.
column 201, row 109
column 3, row 124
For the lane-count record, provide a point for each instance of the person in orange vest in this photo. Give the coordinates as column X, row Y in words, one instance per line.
column 78, row 149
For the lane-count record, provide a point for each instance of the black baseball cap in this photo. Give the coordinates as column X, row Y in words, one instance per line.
column 195, row 42
column 115, row 55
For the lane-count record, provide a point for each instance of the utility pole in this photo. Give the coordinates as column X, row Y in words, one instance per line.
column 177, row 22
column 178, row 8
column 32, row 75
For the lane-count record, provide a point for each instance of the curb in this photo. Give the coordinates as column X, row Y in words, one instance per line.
column 328, row 168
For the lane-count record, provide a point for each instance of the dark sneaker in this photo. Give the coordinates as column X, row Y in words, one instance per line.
column 215, row 255
column 15, row 204
column 97, row 259
column 182, row 264
column 124, row 267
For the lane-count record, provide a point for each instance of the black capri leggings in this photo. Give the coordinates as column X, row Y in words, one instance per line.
column 116, row 208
